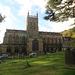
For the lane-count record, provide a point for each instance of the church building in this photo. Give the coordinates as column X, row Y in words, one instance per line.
column 30, row 40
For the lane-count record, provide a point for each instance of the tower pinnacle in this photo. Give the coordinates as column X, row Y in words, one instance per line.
column 37, row 14
column 28, row 12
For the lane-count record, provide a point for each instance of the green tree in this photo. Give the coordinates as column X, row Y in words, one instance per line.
column 72, row 42
column 1, row 18
column 59, row 10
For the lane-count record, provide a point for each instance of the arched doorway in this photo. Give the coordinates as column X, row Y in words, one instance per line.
column 35, row 45
column 8, row 49
column 24, row 50
column 16, row 49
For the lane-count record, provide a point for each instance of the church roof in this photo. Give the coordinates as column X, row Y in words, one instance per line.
column 17, row 31
column 49, row 33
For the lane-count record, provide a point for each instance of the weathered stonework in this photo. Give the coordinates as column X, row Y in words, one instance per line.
column 31, row 40
column 30, row 45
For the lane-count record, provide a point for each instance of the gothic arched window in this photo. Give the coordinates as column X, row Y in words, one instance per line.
column 23, row 49
column 8, row 49
column 48, row 40
column 16, row 39
column 34, row 23
column 52, row 41
column 35, row 45
column 56, row 40
column 23, row 38
column 59, row 40
column 16, row 49
column 10, row 39
column 30, row 23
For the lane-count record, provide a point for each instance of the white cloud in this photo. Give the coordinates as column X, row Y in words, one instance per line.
column 55, row 27
column 61, row 26
column 40, row 3
column 11, row 1
column 7, row 23
column 43, row 28
column 26, row 5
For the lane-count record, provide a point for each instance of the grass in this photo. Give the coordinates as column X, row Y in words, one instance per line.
column 50, row 64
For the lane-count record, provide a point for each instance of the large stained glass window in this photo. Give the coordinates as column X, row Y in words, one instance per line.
column 35, row 45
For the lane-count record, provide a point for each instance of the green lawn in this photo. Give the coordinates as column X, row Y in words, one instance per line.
column 50, row 64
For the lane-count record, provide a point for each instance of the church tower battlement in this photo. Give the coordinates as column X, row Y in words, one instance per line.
column 32, row 25
column 32, row 40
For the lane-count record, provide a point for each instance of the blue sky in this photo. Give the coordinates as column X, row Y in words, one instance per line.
column 16, row 14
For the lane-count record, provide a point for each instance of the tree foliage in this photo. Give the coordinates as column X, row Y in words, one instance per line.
column 72, row 42
column 1, row 18
column 59, row 10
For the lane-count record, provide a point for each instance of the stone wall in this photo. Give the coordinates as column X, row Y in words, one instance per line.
column 30, row 45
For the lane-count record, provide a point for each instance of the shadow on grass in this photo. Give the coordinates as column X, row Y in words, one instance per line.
column 50, row 64
column 68, row 71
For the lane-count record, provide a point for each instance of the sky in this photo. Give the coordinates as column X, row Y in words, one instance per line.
column 16, row 14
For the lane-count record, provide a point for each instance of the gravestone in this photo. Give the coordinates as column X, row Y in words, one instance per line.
column 1, row 62
column 70, row 58
column 22, row 67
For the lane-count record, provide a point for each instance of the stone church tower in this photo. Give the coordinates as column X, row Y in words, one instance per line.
column 34, row 43
column 32, row 26
column 30, row 40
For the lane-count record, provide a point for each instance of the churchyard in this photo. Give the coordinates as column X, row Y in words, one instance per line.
column 49, row 64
